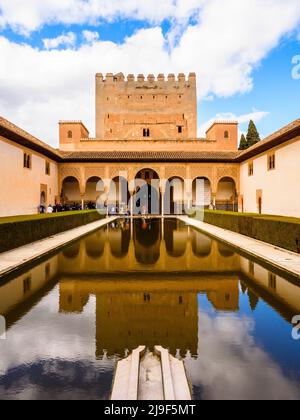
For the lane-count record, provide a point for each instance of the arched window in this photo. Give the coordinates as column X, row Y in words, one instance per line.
column 70, row 134
column 226, row 135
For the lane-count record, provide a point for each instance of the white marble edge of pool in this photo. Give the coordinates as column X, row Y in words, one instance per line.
column 13, row 260
column 275, row 256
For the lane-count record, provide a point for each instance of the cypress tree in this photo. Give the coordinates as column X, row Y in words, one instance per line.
column 253, row 300
column 243, row 143
column 252, row 135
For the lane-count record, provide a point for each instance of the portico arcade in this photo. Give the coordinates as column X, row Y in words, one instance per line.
column 173, row 185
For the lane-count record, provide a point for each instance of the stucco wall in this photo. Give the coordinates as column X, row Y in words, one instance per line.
column 280, row 187
column 20, row 188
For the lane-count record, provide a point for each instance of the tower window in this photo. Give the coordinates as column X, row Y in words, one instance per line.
column 70, row 134
column 180, row 129
column 226, row 135
column 146, row 132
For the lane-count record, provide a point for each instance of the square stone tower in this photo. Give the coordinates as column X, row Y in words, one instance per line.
column 139, row 109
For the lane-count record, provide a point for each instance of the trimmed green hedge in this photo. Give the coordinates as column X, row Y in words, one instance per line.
column 21, row 230
column 276, row 230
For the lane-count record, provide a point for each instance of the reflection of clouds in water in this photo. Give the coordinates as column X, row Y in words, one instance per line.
column 45, row 334
column 231, row 366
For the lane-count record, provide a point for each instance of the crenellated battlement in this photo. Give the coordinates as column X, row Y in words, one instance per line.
column 151, row 106
column 150, row 78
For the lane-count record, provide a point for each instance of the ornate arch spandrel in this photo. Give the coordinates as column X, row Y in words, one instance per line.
column 69, row 171
column 114, row 171
column 94, row 172
column 175, row 172
column 227, row 172
column 202, row 172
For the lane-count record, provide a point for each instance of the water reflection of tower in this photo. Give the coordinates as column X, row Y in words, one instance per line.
column 126, row 320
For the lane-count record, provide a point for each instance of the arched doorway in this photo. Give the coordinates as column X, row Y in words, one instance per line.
column 147, row 198
column 202, row 196
column 174, row 199
column 227, row 198
column 71, row 192
column 118, row 197
column 93, row 192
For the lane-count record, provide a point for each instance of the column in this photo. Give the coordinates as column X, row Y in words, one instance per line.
column 162, row 189
column 82, row 201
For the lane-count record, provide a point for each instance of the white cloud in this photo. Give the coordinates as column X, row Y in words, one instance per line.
column 226, row 43
column 256, row 116
column 90, row 36
column 32, row 14
column 67, row 40
column 230, row 365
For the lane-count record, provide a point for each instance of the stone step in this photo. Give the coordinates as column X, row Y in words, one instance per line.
column 156, row 376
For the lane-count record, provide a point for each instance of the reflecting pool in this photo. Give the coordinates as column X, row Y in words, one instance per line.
column 72, row 316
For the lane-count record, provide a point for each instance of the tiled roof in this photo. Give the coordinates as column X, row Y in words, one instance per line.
column 16, row 134
column 286, row 133
column 150, row 156
column 21, row 137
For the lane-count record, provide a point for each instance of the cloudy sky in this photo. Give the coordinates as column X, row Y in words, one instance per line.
column 244, row 54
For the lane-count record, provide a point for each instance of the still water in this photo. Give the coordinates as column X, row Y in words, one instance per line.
column 147, row 282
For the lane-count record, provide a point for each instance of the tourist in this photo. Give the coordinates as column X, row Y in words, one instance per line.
column 50, row 209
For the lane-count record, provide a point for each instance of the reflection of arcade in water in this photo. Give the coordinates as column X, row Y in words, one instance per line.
column 146, row 277
column 148, row 245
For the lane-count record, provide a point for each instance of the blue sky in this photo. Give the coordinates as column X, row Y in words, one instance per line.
column 241, row 51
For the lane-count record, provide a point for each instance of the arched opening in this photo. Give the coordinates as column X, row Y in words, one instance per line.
column 226, row 135
column 147, row 198
column 93, row 192
column 72, row 251
column 176, row 237
column 94, row 244
column 202, row 195
column 175, row 196
column 227, row 198
column 147, row 241
column 201, row 244
column 70, row 134
column 119, row 239
column 118, row 197
column 225, row 251
column 71, row 192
